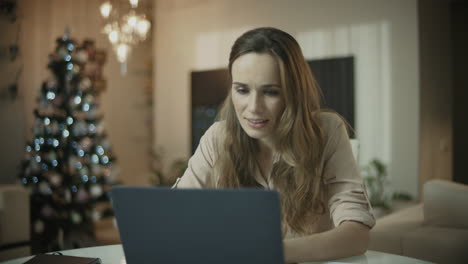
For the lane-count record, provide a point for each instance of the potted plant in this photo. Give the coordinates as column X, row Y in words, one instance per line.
column 382, row 199
column 375, row 176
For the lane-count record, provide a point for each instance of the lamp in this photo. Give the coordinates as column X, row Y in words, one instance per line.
column 124, row 31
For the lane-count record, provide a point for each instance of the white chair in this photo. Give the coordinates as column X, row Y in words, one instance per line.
column 355, row 147
column 14, row 222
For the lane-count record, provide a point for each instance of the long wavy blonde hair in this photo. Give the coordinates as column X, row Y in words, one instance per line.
column 299, row 139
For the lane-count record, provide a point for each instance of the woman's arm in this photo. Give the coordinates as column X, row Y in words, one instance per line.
column 199, row 172
column 347, row 201
column 348, row 239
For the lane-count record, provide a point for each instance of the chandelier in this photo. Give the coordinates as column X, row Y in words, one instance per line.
column 124, row 26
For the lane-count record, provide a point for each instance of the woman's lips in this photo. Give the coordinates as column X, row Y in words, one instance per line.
column 257, row 123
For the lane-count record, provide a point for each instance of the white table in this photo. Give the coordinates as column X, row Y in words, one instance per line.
column 114, row 255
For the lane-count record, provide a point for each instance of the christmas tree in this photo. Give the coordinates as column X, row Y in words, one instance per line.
column 68, row 166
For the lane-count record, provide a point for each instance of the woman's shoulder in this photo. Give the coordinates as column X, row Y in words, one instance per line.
column 330, row 121
column 216, row 129
column 214, row 134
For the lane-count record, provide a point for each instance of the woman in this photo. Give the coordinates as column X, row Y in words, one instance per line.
column 272, row 134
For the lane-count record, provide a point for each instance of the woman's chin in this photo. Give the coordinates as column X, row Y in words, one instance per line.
column 255, row 134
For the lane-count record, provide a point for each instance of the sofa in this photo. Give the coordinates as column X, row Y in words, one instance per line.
column 14, row 222
column 435, row 230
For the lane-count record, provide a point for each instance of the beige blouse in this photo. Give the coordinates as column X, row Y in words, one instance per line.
column 346, row 192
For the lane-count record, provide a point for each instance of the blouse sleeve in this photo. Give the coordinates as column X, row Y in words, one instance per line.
column 199, row 172
column 347, row 195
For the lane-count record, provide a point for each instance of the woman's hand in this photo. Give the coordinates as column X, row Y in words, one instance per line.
column 346, row 240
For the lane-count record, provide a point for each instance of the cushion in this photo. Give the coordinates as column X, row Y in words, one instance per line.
column 445, row 204
column 14, row 214
column 386, row 236
column 437, row 244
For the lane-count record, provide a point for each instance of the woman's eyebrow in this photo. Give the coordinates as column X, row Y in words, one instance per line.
column 269, row 85
column 240, row 84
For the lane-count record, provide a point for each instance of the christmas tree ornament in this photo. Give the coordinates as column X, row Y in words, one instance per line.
column 76, row 217
column 76, row 69
column 95, row 190
column 51, row 84
column 89, row 98
column 55, row 179
column 37, row 130
column 100, row 128
column 27, row 172
column 79, row 165
column 52, row 156
column 86, row 143
column 84, row 171
column 79, row 128
column 38, row 227
column 85, row 84
column 96, row 215
column 47, row 211
column 106, row 171
column 54, row 127
column 106, row 144
column 81, row 56
column 44, row 188
column 62, row 52
column 96, row 169
column 67, row 195
column 34, row 166
column 81, row 196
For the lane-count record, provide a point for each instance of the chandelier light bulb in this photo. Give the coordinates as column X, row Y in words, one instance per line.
column 107, row 29
column 106, row 8
column 114, row 36
column 143, row 27
column 132, row 21
column 122, row 52
column 134, row 3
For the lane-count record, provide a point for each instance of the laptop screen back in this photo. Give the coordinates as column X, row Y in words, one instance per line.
column 160, row 225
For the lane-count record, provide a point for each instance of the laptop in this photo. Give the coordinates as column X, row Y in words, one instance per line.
column 162, row 225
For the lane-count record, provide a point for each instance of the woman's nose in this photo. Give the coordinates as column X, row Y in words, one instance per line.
column 255, row 104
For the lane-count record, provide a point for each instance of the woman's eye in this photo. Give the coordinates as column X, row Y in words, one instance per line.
column 272, row 92
column 241, row 90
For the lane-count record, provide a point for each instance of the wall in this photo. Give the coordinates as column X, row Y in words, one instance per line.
column 11, row 121
column 436, row 135
column 459, row 13
column 382, row 35
column 124, row 104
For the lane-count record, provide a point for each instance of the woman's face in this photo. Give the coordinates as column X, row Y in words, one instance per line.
column 256, row 94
